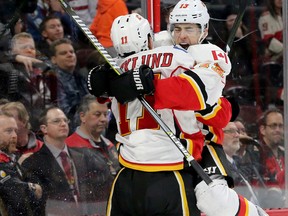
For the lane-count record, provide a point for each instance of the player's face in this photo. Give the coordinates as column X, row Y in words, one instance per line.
column 186, row 34
column 95, row 119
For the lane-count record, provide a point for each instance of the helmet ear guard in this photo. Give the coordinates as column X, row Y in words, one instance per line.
column 130, row 34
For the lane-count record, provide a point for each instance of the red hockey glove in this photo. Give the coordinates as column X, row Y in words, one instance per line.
column 133, row 83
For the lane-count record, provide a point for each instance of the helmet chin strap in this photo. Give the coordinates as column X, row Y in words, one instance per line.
column 202, row 37
column 203, row 33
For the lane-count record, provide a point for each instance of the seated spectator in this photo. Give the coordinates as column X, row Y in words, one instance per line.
column 271, row 128
column 231, row 145
column 26, row 139
column 71, row 85
column 29, row 81
column 17, row 196
column 88, row 138
column 51, row 29
column 271, row 29
column 247, row 156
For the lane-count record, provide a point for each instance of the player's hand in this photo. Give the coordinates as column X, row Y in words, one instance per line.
column 131, row 84
column 99, row 79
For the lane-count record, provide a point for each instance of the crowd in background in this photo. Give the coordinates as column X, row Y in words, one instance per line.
column 45, row 59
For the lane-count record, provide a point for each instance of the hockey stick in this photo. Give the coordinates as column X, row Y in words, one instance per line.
column 242, row 7
column 189, row 158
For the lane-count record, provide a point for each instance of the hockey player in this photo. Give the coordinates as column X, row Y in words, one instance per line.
column 146, row 152
column 140, row 151
column 187, row 18
column 128, row 152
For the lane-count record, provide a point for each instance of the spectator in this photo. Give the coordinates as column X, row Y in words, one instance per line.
column 17, row 196
column 231, row 145
column 271, row 29
column 71, row 85
column 272, row 157
column 248, row 161
column 25, row 78
column 51, row 29
column 63, row 182
column 26, row 138
column 247, row 156
column 107, row 11
column 88, row 138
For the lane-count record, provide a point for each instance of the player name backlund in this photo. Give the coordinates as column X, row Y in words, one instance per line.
column 154, row 60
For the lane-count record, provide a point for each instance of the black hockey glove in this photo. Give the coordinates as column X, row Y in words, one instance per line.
column 99, row 79
column 235, row 107
column 133, row 83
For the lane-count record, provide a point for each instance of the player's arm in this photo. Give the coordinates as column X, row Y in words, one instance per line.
column 184, row 92
column 217, row 115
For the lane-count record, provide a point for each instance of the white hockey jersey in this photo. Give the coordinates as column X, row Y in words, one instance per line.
column 145, row 146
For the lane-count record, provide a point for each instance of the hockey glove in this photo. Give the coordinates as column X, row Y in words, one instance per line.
column 133, row 83
column 234, row 106
column 99, row 79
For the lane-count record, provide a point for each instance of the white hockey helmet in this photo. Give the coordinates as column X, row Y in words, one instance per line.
column 130, row 34
column 190, row 11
